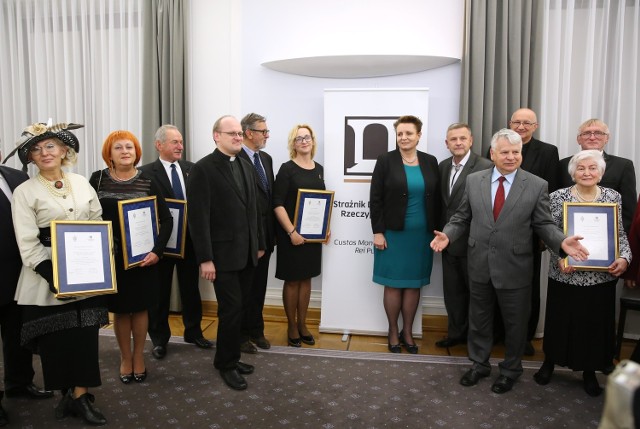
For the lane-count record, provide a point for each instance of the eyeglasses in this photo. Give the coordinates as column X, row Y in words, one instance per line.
column 525, row 124
column 49, row 148
column 596, row 134
column 232, row 133
column 264, row 132
column 306, row 138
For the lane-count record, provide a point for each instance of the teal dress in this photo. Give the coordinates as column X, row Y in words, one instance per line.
column 408, row 258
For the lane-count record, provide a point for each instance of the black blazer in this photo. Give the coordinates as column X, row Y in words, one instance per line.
column 224, row 222
column 620, row 175
column 389, row 191
column 451, row 202
column 264, row 198
column 10, row 261
column 542, row 159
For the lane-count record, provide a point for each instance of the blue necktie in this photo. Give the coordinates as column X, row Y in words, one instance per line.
column 260, row 171
column 175, row 183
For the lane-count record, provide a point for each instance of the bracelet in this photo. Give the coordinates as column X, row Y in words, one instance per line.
column 292, row 231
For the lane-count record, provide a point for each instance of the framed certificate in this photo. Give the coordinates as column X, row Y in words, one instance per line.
column 598, row 224
column 82, row 257
column 175, row 245
column 138, row 227
column 313, row 214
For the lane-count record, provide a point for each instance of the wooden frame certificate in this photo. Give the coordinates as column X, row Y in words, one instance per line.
column 176, row 243
column 313, row 214
column 138, row 227
column 82, row 258
column 598, row 224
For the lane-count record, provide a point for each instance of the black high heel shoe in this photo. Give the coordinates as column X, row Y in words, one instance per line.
column 126, row 378
column 308, row 339
column 395, row 348
column 294, row 342
column 140, row 377
column 411, row 348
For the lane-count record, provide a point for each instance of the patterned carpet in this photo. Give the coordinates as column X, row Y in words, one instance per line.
column 311, row 388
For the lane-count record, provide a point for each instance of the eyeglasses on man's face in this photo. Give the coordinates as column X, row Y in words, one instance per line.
column 300, row 139
column 526, row 124
column 232, row 133
column 49, row 148
column 264, row 132
column 596, row 134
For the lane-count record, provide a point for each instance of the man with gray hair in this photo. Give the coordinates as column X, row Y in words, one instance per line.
column 502, row 208
column 170, row 173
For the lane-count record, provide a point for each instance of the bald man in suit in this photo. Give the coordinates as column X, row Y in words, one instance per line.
column 502, row 207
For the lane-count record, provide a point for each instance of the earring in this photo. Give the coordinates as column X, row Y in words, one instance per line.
column 63, row 155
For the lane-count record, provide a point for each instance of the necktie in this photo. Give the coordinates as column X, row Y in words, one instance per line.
column 499, row 200
column 175, row 183
column 455, row 174
column 260, row 171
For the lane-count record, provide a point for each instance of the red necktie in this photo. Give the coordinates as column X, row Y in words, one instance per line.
column 499, row 200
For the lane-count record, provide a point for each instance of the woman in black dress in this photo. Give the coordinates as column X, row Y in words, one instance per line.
column 123, row 181
column 297, row 261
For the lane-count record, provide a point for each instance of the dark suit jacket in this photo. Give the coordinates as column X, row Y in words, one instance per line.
column 10, row 261
column 451, row 202
column 389, row 191
column 619, row 175
column 500, row 250
column 224, row 222
column 264, row 198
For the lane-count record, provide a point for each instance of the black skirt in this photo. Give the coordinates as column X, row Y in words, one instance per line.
column 579, row 330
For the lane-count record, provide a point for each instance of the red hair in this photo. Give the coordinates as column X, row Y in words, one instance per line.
column 113, row 137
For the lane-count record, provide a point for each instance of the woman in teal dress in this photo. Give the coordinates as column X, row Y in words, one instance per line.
column 404, row 208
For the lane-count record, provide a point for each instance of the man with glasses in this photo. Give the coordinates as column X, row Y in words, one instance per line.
column 619, row 175
column 226, row 229
column 170, row 172
column 255, row 137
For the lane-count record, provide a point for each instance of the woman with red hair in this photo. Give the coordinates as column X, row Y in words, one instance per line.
column 121, row 180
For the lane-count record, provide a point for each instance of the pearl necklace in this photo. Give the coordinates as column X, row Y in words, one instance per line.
column 115, row 176
column 409, row 161
column 583, row 199
column 61, row 192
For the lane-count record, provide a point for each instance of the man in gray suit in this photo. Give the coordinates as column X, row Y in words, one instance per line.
column 455, row 279
column 503, row 207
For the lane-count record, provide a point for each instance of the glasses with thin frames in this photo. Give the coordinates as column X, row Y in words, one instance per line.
column 38, row 150
column 596, row 134
column 306, row 138
column 525, row 124
column 232, row 133
column 264, row 132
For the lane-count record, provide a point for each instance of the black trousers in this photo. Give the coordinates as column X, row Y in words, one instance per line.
column 188, row 279
column 253, row 322
column 230, row 288
column 455, row 281
column 18, row 369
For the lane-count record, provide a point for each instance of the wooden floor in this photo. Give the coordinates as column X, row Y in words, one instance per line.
column 276, row 333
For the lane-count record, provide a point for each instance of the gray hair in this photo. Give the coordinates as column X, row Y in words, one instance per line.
column 250, row 120
column 161, row 134
column 505, row 133
column 593, row 122
column 584, row 155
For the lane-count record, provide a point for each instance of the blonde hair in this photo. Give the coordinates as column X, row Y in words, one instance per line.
column 291, row 144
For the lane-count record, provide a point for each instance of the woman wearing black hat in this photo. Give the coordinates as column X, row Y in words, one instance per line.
column 65, row 333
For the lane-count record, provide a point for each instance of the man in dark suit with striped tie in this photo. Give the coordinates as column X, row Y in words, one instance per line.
column 18, row 368
column 170, row 173
column 256, row 133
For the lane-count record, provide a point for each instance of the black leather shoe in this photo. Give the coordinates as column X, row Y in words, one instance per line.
column 394, row 348
column 244, row 368
column 247, row 347
column 29, row 391
column 502, row 384
column 543, row 376
column 262, row 343
column 63, row 409
column 4, row 418
column 471, row 377
column 411, row 348
column 590, row 383
column 528, row 349
column 201, row 342
column 83, row 407
column 159, row 352
column 308, row 339
column 233, row 379
column 126, row 378
column 294, row 342
column 447, row 342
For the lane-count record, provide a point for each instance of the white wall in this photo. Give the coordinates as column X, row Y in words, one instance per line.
column 228, row 44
